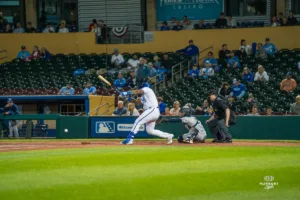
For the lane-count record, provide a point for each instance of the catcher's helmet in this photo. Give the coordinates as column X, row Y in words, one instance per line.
column 186, row 110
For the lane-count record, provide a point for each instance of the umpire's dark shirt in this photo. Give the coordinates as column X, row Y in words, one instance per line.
column 220, row 106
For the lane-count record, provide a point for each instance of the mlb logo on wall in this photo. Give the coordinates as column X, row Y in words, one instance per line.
column 105, row 127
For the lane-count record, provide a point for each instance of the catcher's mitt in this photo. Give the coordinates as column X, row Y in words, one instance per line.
column 161, row 120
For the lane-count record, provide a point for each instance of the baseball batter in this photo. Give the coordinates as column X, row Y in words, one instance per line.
column 149, row 116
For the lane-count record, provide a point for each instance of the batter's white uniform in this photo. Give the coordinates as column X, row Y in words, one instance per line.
column 150, row 115
column 195, row 127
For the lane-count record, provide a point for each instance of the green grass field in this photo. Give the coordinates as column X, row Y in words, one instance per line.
column 137, row 172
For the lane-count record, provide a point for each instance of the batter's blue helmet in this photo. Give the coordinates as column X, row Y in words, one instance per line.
column 145, row 84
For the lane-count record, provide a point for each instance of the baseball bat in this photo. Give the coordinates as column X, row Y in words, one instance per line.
column 107, row 82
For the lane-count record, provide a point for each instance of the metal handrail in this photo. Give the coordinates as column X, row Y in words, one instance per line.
column 6, row 54
column 180, row 69
column 158, row 82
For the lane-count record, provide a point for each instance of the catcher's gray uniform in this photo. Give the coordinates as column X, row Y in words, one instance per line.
column 196, row 131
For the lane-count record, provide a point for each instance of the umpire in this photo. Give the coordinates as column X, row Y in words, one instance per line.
column 220, row 121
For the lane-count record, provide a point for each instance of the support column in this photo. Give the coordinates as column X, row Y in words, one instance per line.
column 151, row 15
column 31, row 13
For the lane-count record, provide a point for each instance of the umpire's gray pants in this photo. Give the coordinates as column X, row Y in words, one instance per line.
column 13, row 129
column 218, row 129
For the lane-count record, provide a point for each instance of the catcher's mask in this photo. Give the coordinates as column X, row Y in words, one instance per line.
column 185, row 111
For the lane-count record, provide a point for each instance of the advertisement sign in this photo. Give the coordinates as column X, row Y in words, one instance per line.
column 193, row 9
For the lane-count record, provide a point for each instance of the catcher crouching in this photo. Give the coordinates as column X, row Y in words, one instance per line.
column 196, row 131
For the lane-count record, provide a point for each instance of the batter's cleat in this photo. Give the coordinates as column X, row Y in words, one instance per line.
column 170, row 138
column 128, row 141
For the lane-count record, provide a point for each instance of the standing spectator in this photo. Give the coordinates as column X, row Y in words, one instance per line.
column 201, row 25
column 36, row 54
column 254, row 112
column 131, row 81
column 261, row 74
column 132, row 111
column 133, row 62
column 242, row 55
column 224, row 54
column 238, row 90
column 175, row 110
column 295, row 107
column 247, row 75
column 49, row 29
column 117, row 58
column 201, row 110
column 156, row 62
column 152, row 70
column 206, row 71
column 274, row 22
column 23, row 54
column 164, row 26
column 231, row 22
column 167, row 112
column 191, row 50
column 224, row 91
column 221, row 22
column 269, row 47
column 247, row 48
column 67, row 90
column 194, row 72
column 45, row 54
column 11, row 109
column 233, row 61
column 177, row 26
column 29, row 28
column 93, row 25
column 162, row 106
column 288, row 84
column 63, row 27
column 291, row 19
column 18, row 28
column 269, row 111
column 90, row 89
column 97, row 30
column 138, row 104
column 120, row 110
column 42, row 20
column 120, row 82
column 186, row 23
column 7, row 29
column 280, row 17
column 173, row 22
column 211, row 59
column 142, row 72
column 167, row 64
column 261, row 52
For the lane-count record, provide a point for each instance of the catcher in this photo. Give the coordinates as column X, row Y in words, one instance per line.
column 196, row 131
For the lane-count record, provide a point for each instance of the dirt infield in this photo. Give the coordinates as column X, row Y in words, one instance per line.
column 42, row 145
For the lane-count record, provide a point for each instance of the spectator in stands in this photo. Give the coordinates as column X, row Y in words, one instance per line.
column 206, row 71
column 138, row 104
column 291, row 19
column 201, row 25
column 45, row 54
column 67, row 90
column 288, row 84
column 93, row 25
column 247, row 75
column 120, row 110
column 210, row 111
column 280, row 18
column 30, row 28
column 261, row 74
column 221, row 22
column 167, row 112
column 49, row 29
column 23, row 54
column 90, row 89
column 19, row 28
column 238, row 90
column 117, row 58
column 175, row 110
column 295, row 107
column 164, row 26
column 284, row 22
column 142, row 72
column 177, row 26
column 156, row 62
column 242, row 55
column 232, row 104
column 63, row 27
column 7, row 29
column 233, row 61
column 186, row 23
column 120, row 82
column 251, row 102
column 231, row 22
column 11, row 109
column 167, row 64
column 152, row 72
column 133, row 62
column 36, row 54
column 261, row 52
column 131, row 81
column 194, row 72
column 274, row 22
column 191, row 50
column 247, row 48
column 2, row 23
column 42, row 20
column 201, row 110
column 132, row 111
column 269, row 47
column 269, row 111
column 211, row 59
column 224, row 91
column 173, row 22
column 74, row 27
column 161, row 104
column 224, row 54
column 254, row 112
